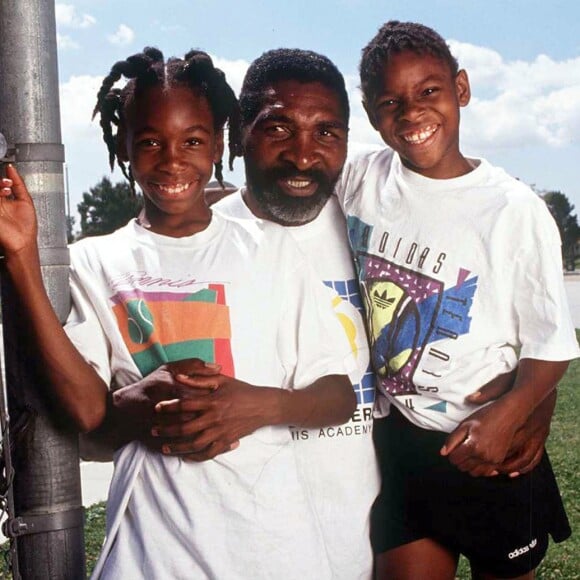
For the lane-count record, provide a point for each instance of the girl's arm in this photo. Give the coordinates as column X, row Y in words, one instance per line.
column 79, row 388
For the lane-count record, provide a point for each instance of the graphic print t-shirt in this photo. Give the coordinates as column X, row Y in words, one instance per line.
column 457, row 275
column 242, row 296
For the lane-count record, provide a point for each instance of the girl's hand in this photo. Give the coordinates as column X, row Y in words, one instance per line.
column 18, row 227
column 480, row 443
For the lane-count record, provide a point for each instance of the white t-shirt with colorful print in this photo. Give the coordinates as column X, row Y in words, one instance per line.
column 241, row 295
column 460, row 277
column 340, row 461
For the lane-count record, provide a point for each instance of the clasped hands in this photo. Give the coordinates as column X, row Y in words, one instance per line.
column 489, row 442
column 188, row 408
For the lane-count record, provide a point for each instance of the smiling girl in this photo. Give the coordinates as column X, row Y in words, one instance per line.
column 237, row 296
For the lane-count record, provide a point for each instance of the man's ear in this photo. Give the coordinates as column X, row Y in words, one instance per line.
column 121, row 144
column 462, row 88
column 218, row 146
column 370, row 114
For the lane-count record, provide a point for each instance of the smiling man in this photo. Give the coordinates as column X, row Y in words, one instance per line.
column 295, row 115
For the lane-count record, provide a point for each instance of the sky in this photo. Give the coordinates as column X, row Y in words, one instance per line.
column 522, row 58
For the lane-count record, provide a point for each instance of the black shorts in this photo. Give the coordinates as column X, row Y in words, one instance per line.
column 500, row 524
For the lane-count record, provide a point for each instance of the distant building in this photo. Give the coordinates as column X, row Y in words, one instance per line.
column 214, row 191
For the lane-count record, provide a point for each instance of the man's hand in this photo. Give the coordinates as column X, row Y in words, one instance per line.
column 493, row 390
column 464, row 447
column 199, row 428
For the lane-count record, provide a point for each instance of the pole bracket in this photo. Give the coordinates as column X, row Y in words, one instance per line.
column 22, row 152
column 37, row 524
column 54, row 256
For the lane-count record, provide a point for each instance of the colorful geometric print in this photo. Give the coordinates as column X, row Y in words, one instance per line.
column 407, row 311
column 348, row 294
column 159, row 327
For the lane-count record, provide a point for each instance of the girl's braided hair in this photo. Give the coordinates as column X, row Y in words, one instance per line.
column 149, row 69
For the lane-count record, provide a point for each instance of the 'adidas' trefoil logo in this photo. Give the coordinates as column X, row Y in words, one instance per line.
column 381, row 299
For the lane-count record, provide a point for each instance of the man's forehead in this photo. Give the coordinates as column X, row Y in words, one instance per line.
column 309, row 96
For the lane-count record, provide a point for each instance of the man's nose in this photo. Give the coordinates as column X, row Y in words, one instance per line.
column 302, row 151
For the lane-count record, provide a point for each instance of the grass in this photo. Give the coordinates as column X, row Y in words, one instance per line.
column 562, row 561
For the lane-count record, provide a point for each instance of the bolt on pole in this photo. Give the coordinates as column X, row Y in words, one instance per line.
column 47, row 495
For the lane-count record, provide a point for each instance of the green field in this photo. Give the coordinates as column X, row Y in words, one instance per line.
column 562, row 561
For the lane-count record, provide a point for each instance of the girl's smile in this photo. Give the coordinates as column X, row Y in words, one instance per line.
column 171, row 144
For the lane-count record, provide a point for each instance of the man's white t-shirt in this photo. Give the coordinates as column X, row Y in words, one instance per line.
column 340, row 461
column 241, row 295
column 460, row 278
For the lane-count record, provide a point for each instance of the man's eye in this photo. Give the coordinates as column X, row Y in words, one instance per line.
column 388, row 103
column 275, row 130
column 430, row 91
column 194, row 142
column 148, row 143
column 328, row 134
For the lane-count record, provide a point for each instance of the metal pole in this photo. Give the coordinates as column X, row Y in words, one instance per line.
column 47, row 494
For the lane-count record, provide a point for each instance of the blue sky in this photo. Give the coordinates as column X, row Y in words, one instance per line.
column 523, row 58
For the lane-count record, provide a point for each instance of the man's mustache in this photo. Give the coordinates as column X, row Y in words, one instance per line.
column 284, row 173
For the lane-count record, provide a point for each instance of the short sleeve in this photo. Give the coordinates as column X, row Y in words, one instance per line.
column 85, row 331
column 545, row 326
column 311, row 342
column 358, row 160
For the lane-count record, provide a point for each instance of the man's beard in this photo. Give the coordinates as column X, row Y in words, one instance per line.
column 281, row 207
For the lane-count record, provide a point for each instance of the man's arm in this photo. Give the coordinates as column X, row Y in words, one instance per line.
column 527, row 447
column 483, row 441
column 233, row 409
column 528, row 444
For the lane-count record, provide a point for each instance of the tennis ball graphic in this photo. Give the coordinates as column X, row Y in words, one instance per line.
column 139, row 321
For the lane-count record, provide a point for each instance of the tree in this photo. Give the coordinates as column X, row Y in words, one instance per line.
column 107, row 207
column 567, row 222
column 70, row 224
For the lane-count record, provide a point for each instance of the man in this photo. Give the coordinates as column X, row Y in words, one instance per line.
column 295, row 111
column 295, row 123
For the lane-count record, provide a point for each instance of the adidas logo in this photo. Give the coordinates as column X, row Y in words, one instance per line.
column 381, row 299
column 523, row 550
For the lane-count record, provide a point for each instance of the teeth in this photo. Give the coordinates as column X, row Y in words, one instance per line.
column 420, row 136
column 298, row 183
column 173, row 189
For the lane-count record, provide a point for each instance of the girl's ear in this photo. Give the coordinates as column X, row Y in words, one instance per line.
column 462, row 88
column 121, row 144
column 218, row 146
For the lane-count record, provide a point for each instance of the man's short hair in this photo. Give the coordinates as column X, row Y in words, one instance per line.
column 284, row 64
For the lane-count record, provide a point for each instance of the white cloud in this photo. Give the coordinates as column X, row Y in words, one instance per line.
column 65, row 42
column 235, row 70
column 85, row 152
column 77, row 98
column 517, row 103
column 123, row 36
column 66, row 16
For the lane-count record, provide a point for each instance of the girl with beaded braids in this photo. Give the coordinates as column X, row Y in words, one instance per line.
column 147, row 69
column 166, row 310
